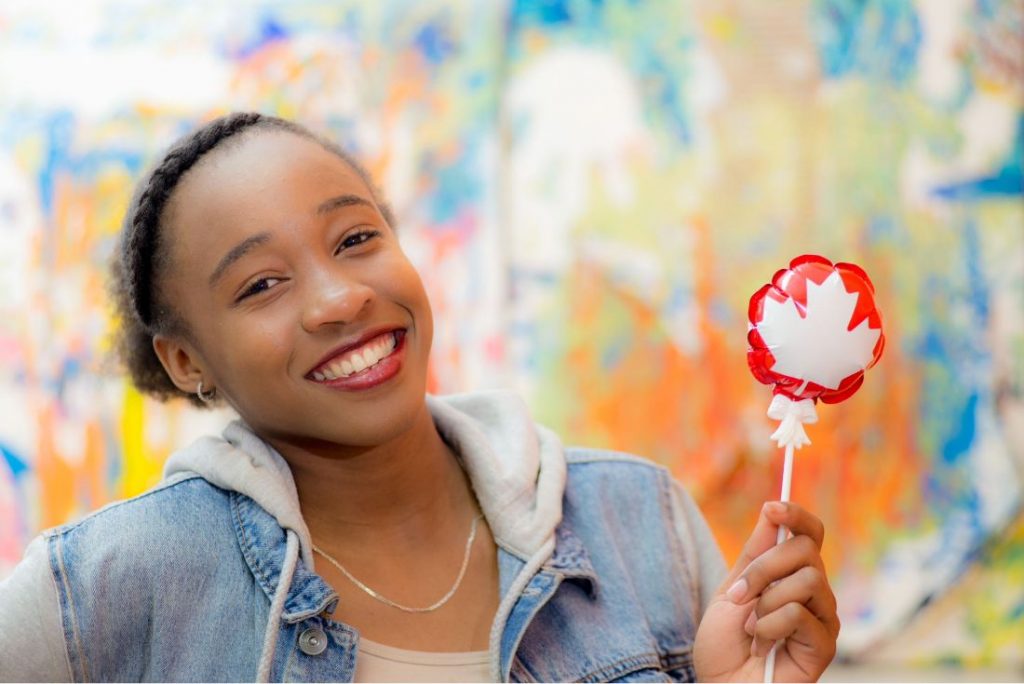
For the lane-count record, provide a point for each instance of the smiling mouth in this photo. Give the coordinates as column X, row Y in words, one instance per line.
column 359, row 360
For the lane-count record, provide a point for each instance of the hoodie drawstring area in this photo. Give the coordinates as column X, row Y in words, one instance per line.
column 284, row 582
column 517, row 469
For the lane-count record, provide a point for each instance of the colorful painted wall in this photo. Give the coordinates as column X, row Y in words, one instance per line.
column 591, row 189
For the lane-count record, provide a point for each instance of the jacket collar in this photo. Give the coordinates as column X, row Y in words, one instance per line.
column 262, row 541
column 571, row 560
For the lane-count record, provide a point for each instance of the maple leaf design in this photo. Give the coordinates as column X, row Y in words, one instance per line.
column 818, row 347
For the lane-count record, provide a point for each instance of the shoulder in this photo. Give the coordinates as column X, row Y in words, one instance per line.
column 604, row 473
column 627, row 491
column 178, row 501
column 612, row 458
column 133, row 573
column 641, row 503
column 159, row 525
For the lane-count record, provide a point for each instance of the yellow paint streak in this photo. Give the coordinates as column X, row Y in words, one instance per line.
column 140, row 471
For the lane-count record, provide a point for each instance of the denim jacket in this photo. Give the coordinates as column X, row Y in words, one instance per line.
column 604, row 569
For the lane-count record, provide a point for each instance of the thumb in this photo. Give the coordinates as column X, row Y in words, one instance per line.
column 763, row 537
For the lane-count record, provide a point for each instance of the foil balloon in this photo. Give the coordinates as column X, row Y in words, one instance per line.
column 813, row 332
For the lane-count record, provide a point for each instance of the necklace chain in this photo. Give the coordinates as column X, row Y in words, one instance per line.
column 409, row 609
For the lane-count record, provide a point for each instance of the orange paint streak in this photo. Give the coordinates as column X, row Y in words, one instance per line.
column 56, row 479
column 656, row 400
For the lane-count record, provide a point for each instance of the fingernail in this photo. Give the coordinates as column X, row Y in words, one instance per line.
column 751, row 623
column 776, row 507
column 738, row 590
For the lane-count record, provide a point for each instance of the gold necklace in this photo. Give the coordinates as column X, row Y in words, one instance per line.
column 408, row 609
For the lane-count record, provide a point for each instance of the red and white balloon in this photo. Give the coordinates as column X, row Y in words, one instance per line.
column 814, row 330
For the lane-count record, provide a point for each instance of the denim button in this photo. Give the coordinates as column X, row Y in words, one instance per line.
column 313, row 641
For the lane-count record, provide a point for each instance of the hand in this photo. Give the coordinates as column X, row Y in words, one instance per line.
column 773, row 592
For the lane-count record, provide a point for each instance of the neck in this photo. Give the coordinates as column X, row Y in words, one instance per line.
column 404, row 492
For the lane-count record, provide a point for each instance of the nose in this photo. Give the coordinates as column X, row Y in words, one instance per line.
column 333, row 299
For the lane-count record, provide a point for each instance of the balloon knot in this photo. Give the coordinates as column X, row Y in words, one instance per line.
column 793, row 415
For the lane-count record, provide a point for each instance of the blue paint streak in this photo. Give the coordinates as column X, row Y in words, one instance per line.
column 1008, row 181
column 958, row 444
column 900, row 35
column 270, row 31
column 434, row 43
column 879, row 39
column 978, row 291
column 837, row 25
column 16, row 464
column 670, row 97
column 541, row 12
column 458, row 186
column 59, row 158
column 58, row 130
column 955, row 391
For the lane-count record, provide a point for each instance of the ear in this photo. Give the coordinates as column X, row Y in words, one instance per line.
column 182, row 363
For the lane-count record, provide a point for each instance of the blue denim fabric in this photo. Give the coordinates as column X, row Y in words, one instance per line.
column 175, row 585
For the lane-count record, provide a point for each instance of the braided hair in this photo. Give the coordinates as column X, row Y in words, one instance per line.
column 143, row 253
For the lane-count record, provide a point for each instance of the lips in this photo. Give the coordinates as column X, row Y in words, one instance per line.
column 357, row 355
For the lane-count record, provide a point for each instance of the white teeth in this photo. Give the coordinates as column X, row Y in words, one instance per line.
column 357, row 361
column 372, row 355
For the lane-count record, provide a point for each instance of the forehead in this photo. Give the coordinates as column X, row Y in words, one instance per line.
column 268, row 179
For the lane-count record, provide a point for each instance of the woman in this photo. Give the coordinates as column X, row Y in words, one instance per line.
column 349, row 525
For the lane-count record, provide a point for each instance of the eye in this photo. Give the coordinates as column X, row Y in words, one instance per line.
column 355, row 239
column 258, row 286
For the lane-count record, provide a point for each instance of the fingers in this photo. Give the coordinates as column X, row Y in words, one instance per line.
column 808, row 586
column 807, row 639
column 773, row 514
column 774, row 565
column 787, row 588
column 799, row 520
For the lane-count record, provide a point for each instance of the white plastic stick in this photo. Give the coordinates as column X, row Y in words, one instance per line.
column 787, row 481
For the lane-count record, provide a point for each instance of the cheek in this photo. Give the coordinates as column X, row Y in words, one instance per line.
column 251, row 349
column 414, row 296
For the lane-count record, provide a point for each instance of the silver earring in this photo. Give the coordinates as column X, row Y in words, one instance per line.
column 205, row 398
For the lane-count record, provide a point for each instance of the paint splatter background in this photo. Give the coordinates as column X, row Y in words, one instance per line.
column 591, row 191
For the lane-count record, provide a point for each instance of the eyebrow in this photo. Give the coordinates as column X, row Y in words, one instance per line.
column 236, row 253
column 343, row 201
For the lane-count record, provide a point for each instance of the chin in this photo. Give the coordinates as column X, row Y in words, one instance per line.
column 351, row 425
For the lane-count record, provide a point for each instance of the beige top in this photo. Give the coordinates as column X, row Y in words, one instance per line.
column 379, row 663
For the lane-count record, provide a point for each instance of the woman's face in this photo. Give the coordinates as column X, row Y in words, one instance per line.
column 280, row 262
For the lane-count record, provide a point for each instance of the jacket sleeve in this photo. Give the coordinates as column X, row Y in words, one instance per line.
column 31, row 637
column 707, row 567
